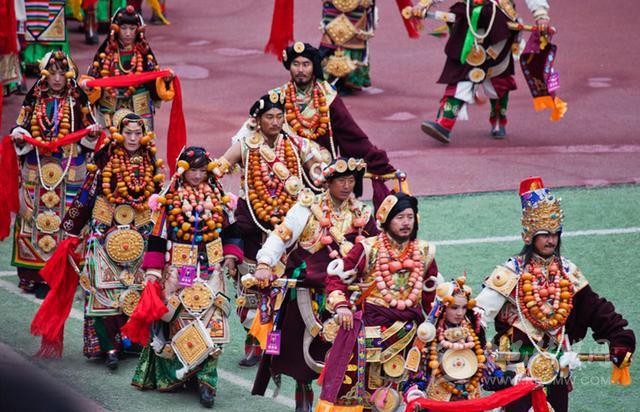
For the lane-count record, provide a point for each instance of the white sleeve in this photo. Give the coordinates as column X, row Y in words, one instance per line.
column 538, row 6
column 274, row 246
column 490, row 302
column 245, row 131
column 27, row 147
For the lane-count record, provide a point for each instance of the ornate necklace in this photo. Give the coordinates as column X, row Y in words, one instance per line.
column 207, row 201
column 266, row 172
column 327, row 222
column 43, row 127
column 310, row 128
column 545, row 301
column 133, row 177
column 470, row 341
column 389, row 263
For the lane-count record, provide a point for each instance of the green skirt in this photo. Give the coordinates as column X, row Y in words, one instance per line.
column 154, row 372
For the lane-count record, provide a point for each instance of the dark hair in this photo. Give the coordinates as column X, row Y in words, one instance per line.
column 127, row 15
column 529, row 250
column 132, row 117
column 196, row 156
column 404, row 202
column 357, row 174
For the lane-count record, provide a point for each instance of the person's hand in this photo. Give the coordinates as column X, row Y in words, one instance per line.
column 543, row 25
column 230, row 264
column 344, row 317
column 170, row 76
column 17, row 138
column 263, row 276
column 94, row 131
column 83, row 85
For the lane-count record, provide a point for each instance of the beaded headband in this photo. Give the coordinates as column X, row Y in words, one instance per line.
column 447, row 291
column 339, row 166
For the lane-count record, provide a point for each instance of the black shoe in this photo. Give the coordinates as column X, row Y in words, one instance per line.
column 112, row 360
column 498, row 132
column 436, row 131
column 207, row 396
column 41, row 290
column 250, row 361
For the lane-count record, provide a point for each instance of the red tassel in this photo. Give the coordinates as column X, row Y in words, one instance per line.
column 62, row 279
column 177, row 133
column 281, row 28
column 409, row 24
column 539, row 400
column 10, row 172
column 8, row 28
column 150, row 308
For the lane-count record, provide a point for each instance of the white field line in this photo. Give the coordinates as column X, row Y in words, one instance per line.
column 5, row 273
column 501, row 239
column 225, row 375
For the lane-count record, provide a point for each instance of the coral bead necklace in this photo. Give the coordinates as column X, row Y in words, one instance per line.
column 310, row 128
column 545, row 301
column 133, row 178
column 389, row 263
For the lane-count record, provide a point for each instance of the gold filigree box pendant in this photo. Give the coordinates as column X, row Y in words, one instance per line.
column 51, row 174
column 543, row 367
column 48, row 222
column 346, row 6
column 124, row 214
column 477, row 56
column 459, row 364
column 50, row 199
column 197, row 298
column 128, row 301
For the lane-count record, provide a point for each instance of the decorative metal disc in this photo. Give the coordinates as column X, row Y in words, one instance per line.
column 477, row 75
column 48, row 222
column 124, row 245
column 129, row 300
column 543, row 367
column 394, row 367
column 51, row 173
column 124, row 214
column 477, row 56
column 197, row 298
column 459, row 364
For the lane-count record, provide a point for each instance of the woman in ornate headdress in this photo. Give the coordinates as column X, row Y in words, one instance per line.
column 127, row 51
column 195, row 225
column 451, row 344
column 113, row 203
column 53, row 108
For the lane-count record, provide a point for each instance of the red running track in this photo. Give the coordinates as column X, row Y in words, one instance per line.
column 215, row 46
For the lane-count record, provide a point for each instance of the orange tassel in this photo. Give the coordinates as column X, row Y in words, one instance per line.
column 620, row 376
column 260, row 331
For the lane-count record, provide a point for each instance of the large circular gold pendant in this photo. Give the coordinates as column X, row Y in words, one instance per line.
column 124, row 214
column 197, row 298
column 477, row 75
column 394, row 367
column 459, row 364
column 543, row 368
column 124, row 245
column 476, row 56
column 51, row 174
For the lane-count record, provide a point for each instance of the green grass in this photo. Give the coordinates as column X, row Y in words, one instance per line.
column 609, row 262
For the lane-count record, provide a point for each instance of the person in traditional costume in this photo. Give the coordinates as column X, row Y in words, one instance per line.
column 314, row 111
column 379, row 292
column 323, row 227
column 194, row 226
column 45, row 31
column 275, row 166
column 479, row 54
column 542, row 304
column 112, row 212
column 54, row 108
column 451, row 351
column 126, row 51
column 347, row 28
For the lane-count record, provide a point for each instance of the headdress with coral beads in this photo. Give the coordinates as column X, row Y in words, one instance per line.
column 541, row 211
column 446, row 292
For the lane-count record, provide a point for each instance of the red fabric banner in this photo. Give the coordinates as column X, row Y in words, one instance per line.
column 149, row 309
column 62, row 278
column 177, row 133
column 495, row 400
column 10, row 171
column 281, row 28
